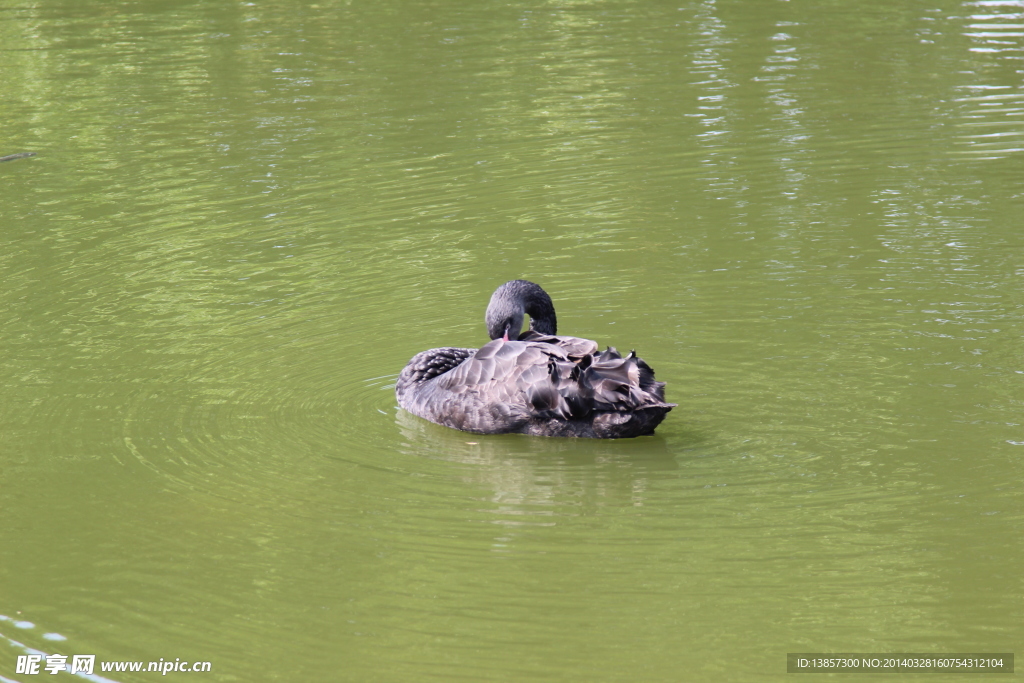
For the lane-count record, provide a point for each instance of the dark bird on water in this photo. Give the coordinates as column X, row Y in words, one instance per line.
column 535, row 382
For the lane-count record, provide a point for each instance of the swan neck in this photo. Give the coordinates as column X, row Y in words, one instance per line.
column 512, row 301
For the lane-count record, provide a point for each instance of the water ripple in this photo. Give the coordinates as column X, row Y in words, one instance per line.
column 992, row 118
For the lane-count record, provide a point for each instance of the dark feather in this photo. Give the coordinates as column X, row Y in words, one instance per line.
column 541, row 384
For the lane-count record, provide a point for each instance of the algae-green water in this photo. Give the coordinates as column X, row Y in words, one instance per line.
column 243, row 218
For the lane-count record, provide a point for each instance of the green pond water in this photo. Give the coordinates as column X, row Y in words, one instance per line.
column 245, row 217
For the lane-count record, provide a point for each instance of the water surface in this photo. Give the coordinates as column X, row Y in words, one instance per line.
column 244, row 218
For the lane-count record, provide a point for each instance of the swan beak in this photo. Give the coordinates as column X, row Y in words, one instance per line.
column 505, row 338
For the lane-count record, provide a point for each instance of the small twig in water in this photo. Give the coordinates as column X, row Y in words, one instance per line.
column 19, row 155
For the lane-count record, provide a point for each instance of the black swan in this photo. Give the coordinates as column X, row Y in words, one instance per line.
column 537, row 384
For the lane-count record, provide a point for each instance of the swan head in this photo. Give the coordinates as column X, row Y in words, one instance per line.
column 511, row 302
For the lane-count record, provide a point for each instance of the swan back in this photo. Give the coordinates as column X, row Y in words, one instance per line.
column 538, row 383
